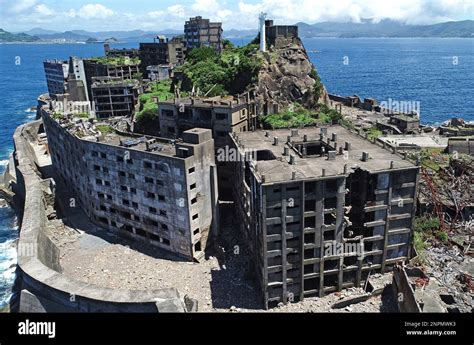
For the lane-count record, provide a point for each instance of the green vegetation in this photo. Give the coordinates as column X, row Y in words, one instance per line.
column 137, row 76
column 318, row 86
column 329, row 115
column 432, row 159
column 149, row 111
column 227, row 44
column 217, row 75
column 298, row 116
column 374, row 133
column 116, row 61
column 424, row 228
column 290, row 119
column 105, row 129
column 82, row 115
column 57, row 116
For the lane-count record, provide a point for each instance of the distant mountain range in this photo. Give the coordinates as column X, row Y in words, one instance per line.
column 6, row 36
column 366, row 28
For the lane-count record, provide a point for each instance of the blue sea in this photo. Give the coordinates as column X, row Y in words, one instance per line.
column 438, row 73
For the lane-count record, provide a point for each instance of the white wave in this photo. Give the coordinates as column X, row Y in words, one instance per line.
column 4, row 162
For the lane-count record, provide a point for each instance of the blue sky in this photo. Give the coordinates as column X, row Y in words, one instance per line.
column 154, row 15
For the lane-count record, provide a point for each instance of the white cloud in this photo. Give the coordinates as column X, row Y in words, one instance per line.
column 94, row 11
column 177, row 10
column 43, row 10
column 242, row 14
column 21, row 5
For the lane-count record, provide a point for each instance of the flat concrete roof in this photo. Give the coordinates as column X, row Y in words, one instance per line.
column 212, row 102
column 419, row 140
column 279, row 169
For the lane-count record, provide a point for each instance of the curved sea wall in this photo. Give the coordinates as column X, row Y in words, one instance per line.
column 40, row 286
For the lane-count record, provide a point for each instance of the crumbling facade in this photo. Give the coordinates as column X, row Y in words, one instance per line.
column 280, row 35
column 145, row 188
column 321, row 209
column 162, row 52
column 102, row 68
column 56, row 73
column 114, row 97
column 222, row 115
column 200, row 32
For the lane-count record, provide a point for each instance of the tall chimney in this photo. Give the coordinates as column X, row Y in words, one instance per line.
column 263, row 46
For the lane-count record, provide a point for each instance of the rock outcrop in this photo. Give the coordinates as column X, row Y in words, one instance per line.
column 288, row 76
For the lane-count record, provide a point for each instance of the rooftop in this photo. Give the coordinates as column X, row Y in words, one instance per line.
column 211, row 102
column 115, row 61
column 104, row 132
column 311, row 156
column 111, row 81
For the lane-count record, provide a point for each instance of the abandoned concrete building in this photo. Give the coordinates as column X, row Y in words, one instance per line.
column 407, row 124
column 222, row 115
column 279, row 35
column 154, row 190
column 162, row 52
column 56, row 72
column 104, row 67
column 124, row 52
column 76, row 81
column 114, row 97
column 200, row 32
column 321, row 209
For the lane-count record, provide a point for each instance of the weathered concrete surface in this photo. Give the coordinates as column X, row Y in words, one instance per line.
column 40, row 286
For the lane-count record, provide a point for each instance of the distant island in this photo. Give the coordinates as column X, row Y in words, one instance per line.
column 366, row 28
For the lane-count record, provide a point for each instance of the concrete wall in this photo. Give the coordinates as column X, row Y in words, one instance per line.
column 116, row 194
column 39, row 286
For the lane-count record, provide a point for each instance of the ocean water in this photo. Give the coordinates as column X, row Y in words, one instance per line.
column 411, row 70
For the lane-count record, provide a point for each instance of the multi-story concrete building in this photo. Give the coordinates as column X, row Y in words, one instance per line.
column 280, row 35
column 221, row 114
column 145, row 188
column 199, row 32
column 124, row 68
column 56, row 73
column 77, row 84
column 162, row 52
column 114, row 97
column 158, row 72
column 321, row 211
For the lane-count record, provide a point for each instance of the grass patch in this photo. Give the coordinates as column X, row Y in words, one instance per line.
column 149, row 109
column 105, row 129
column 374, row 133
column 82, row 115
column 116, row 61
column 424, row 227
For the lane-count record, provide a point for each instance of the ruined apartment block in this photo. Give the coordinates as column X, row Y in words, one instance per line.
column 145, row 188
column 321, row 209
column 222, row 115
column 115, row 97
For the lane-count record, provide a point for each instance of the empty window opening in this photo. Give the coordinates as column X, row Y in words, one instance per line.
column 311, row 284
column 310, row 222
column 310, row 206
column 309, row 238
column 197, row 246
